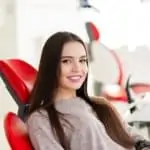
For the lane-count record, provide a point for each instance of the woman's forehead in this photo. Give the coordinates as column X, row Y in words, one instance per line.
column 74, row 49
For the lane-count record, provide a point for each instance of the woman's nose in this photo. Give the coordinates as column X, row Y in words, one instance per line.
column 76, row 67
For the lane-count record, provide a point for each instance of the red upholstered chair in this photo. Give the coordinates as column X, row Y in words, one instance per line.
column 19, row 77
column 16, row 133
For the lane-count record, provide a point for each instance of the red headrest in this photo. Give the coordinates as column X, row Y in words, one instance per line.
column 20, row 77
column 114, row 92
column 16, row 133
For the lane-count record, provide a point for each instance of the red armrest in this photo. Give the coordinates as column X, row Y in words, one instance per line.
column 16, row 133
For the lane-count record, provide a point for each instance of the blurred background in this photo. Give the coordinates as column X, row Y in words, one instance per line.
column 117, row 33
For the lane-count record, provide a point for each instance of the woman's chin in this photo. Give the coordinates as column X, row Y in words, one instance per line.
column 75, row 87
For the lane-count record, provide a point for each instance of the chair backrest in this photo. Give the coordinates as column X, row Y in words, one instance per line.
column 19, row 77
column 16, row 133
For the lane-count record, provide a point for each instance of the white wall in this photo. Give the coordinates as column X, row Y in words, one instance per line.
column 8, row 36
column 38, row 20
column 124, row 27
column 136, row 63
column 120, row 23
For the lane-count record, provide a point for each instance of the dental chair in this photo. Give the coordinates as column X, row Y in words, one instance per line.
column 19, row 77
column 16, row 133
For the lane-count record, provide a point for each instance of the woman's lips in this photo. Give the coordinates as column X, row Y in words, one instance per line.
column 74, row 78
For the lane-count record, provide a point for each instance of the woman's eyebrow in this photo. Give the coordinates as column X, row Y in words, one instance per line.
column 66, row 57
column 84, row 56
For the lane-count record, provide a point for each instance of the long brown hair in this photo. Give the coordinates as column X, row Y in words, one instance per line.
column 112, row 121
column 42, row 95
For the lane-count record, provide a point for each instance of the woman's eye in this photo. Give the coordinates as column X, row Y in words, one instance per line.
column 83, row 60
column 66, row 61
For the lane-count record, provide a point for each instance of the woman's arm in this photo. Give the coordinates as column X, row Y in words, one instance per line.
column 40, row 133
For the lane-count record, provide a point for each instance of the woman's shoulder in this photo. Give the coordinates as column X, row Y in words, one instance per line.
column 41, row 113
column 37, row 118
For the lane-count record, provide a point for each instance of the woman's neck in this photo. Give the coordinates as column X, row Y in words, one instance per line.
column 65, row 94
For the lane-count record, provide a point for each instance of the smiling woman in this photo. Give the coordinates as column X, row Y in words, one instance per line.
column 62, row 116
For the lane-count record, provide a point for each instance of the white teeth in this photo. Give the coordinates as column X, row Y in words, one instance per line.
column 75, row 78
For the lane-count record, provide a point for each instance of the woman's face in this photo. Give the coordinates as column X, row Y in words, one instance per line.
column 73, row 66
